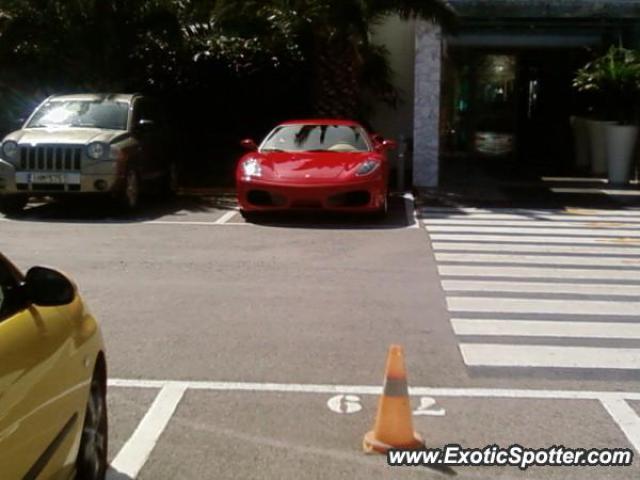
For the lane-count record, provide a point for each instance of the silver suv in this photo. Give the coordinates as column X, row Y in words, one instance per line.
column 111, row 144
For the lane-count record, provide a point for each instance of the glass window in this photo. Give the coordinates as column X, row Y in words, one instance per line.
column 89, row 114
column 317, row 138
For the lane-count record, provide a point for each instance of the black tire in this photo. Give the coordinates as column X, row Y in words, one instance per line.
column 92, row 463
column 129, row 198
column 13, row 205
column 382, row 213
column 250, row 217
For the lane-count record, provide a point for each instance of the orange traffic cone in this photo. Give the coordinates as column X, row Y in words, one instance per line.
column 394, row 425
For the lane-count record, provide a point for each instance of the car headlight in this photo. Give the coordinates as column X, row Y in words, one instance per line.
column 10, row 150
column 252, row 168
column 97, row 150
column 367, row 167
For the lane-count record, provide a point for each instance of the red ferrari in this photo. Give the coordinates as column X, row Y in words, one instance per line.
column 315, row 164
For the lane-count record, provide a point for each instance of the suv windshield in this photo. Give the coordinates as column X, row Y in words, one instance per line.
column 76, row 113
column 305, row 138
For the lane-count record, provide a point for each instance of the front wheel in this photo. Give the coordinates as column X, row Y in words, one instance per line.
column 91, row 463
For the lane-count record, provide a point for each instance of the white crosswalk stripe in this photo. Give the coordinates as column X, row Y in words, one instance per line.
column 599, row 250
column 631, row 260
column 545, row 240
column 485, row 286
column 552, row 289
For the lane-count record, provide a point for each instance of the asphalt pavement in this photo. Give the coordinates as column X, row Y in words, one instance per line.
column 258, row 350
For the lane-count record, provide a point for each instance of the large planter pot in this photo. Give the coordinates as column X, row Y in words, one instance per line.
column 581, row 142
column 620, row 147
column 598, row 144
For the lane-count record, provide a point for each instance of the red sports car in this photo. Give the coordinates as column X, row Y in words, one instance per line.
column 315, row 164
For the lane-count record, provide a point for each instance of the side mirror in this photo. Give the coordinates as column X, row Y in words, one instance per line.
column 48, row 288
column 249, row 144
column 389, row 144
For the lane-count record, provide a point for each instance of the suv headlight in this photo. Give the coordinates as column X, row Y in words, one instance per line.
column 251, row 168
column 367, row 167
column 10, row 150
column 97, row 150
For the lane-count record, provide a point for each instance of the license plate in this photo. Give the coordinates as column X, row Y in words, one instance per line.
column 47, row 178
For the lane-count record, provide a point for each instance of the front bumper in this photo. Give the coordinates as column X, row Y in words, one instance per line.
column 356, row 196
column 49, row 183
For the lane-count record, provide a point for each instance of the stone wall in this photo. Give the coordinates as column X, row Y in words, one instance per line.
column 428, row 74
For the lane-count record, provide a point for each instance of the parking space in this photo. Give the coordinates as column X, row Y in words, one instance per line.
column 237, row 430
column 211, row 210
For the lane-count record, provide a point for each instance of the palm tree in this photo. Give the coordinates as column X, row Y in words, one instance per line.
column 333, row 36
column 92, row 44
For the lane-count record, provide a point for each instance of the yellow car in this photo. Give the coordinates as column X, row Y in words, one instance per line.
column 53, row 412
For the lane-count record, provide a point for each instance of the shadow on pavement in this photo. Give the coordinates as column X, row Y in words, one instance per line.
column 399, row 216
column 99, row 210
column 115, row 475
column 465, row 184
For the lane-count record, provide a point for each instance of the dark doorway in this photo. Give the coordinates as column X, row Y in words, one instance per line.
column 507, row 112
column 546, row 102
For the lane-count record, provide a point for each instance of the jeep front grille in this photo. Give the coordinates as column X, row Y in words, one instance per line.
column 51, row 158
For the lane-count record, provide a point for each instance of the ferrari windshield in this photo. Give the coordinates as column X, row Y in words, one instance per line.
column 81, row 113
column 317, row 138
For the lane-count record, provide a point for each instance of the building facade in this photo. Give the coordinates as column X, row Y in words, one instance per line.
column 499, row 85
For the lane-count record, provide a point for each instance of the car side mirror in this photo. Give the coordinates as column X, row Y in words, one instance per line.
column 249, row 144
column 45, row 287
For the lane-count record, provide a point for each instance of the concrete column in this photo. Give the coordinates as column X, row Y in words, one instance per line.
column 428, row 75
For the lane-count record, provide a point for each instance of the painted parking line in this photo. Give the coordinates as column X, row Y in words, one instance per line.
column 626, row 418
column 226, row 217
column 254, row 387
column 135, row 453
column 215, row 223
